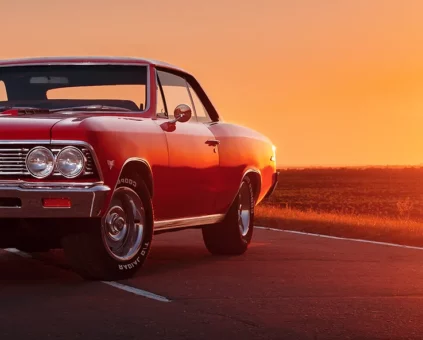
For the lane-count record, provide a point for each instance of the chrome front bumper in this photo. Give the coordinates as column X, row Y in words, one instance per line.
column 27, row 200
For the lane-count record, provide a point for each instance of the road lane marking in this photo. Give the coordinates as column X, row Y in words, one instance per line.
column 114, row 284
column 341, row 238
column 18, row 252
column 137, row 291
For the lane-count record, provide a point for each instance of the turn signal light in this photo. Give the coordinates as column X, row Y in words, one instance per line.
column 56, row 203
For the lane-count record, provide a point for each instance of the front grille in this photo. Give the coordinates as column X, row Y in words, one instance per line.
column 12, row 160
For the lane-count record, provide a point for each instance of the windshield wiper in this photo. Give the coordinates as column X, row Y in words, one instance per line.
column 22, row 109
column 92, row 108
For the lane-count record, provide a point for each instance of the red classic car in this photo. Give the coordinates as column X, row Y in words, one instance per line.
column 98, row 154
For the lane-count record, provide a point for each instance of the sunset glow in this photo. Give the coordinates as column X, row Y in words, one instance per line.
column 330, row 83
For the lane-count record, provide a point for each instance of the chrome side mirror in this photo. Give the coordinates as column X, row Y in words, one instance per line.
column 182, row 113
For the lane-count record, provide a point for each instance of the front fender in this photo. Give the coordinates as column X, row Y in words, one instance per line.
column 114, row 141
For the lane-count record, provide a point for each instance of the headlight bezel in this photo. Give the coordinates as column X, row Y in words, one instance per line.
column 77, row 150
column 50, row 153
column 89, row 167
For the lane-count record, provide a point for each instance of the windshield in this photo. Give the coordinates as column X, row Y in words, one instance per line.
column 67, row 86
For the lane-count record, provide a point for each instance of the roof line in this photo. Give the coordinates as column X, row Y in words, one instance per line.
column 86, row 59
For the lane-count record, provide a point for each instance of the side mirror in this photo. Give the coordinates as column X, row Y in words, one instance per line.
column 182, row 113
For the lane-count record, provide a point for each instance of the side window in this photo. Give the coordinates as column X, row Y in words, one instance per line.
column 175, row 92
column 200, row 110
column 3, row 93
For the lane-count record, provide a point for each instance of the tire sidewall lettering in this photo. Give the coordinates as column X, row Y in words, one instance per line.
column 135, row 263
column 127, row 181
column 144, row 251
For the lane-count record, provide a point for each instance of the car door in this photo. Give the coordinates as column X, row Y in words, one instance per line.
column 192, row 180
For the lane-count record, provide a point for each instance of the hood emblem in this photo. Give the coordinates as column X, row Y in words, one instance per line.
column 111, row 164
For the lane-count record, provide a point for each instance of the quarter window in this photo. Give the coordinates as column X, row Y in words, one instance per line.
column 200, row 110
column 3, row 93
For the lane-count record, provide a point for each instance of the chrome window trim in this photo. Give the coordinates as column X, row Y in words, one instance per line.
column 184, row 75
column 87, row 60
column 74, row 63
column 192, row 100
column 158, row 84
column 22, row 141
column 191, row 89
column 93, row 63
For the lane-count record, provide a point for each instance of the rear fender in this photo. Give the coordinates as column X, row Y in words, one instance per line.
column 257, row 186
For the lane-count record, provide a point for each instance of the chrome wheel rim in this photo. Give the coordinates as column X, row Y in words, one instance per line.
column 123, row 226
column 244, row 209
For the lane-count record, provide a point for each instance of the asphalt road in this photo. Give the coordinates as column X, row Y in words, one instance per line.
column 286, row 286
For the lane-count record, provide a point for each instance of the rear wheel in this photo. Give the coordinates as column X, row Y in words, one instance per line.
column 233, row 235
column 116, row 246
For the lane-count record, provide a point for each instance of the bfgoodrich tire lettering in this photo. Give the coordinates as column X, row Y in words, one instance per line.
column 233, row 235
column 95, row 253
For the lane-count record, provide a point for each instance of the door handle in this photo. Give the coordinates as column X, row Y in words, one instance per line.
column 212, row 142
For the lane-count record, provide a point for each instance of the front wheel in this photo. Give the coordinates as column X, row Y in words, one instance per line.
column 233, row 235
column 116, row 246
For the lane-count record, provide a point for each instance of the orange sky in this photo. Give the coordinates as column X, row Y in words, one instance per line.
column 330, row 82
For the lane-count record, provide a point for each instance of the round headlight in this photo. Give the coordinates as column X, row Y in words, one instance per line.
column 70, row 162
column 40, row 162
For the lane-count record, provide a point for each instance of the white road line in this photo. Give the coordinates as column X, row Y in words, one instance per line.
column 137, row 291
column 341, row 238
column 117, row 285
column 18, row 252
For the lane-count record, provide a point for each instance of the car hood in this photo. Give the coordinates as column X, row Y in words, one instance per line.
column 29, row 127
column 75, row 125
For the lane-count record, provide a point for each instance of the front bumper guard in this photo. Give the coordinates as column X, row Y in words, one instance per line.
column 85, row 201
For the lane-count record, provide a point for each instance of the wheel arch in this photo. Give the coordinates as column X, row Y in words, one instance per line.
column 137, row 167
column 255, row 177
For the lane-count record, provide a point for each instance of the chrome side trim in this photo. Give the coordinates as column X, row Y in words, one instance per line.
column 92, row 204
column 187, row 222
column 47, row 185
column 20, row 141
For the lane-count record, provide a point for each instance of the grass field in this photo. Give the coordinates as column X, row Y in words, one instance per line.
column 384, row 204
